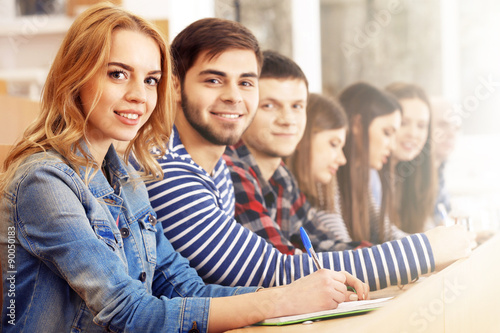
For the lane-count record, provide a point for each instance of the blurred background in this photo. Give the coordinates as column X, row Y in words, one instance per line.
column 449, row 47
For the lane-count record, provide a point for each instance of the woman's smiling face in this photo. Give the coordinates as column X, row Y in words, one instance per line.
column 414, row 130
column 129, row 89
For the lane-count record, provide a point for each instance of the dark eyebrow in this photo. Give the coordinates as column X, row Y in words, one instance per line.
column 254, row 75
column 222, row 74
column 155, row 72
column 213, row 72
column 131, row 69
column 270, row 100
column 122, row 65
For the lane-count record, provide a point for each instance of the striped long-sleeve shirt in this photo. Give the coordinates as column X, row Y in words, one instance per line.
column 391, row 232
column 334, row 222
column 197, row 213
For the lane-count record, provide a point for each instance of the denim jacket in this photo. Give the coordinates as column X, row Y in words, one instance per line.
column 79, row 258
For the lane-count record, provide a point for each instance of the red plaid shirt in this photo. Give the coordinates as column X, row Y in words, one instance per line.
column 274, row 209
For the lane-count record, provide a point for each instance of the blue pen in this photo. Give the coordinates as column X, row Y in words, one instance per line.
column 444, row 214
column 307, row 245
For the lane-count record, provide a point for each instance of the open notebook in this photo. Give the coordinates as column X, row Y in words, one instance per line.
column 346, row 308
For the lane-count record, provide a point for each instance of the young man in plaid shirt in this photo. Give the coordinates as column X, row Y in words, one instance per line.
column 268, row 199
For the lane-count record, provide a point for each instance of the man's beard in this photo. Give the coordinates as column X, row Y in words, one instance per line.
column 228, row 135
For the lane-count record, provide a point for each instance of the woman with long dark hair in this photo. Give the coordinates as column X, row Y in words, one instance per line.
column 413, row 158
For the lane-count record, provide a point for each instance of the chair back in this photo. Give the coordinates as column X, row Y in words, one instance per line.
column 16, row 113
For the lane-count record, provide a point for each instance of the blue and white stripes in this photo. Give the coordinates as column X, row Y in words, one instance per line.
column 197, row 214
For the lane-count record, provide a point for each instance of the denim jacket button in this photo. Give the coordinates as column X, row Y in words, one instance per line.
column 152, row 219
column 142, row 277
column 194, row 329
column 124, row 232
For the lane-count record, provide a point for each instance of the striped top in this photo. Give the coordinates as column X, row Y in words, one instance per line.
column 334, row 222
column 197, row 213
column 391, row 231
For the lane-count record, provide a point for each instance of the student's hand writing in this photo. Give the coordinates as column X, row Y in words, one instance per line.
column 361, row 289
column 450, row 244
column 322, row 290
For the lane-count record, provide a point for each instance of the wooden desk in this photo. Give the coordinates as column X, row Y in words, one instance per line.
column 464, row 297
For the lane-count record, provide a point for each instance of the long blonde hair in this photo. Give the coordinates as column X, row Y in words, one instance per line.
column 61, row 124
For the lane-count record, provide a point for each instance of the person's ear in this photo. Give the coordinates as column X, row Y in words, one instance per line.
column 356, row 126
column 177, row 90
column 357, row 132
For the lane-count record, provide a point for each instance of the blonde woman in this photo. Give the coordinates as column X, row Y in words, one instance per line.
column 79, row 238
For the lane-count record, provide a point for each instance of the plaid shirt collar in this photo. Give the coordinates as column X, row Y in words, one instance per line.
column 281, row 179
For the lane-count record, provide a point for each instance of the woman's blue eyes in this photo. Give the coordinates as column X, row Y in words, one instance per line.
column 121, row 75
column 152, row 81
column 117, row 75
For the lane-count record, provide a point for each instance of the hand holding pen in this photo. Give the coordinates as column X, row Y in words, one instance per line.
column 354, row 286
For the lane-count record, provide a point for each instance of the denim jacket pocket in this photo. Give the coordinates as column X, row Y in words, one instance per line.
column 148, row 231
column 103, row 232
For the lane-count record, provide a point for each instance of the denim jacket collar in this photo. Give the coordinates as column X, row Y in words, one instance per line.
column 99, row 185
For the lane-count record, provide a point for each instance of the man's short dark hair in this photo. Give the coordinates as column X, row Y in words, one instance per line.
column 212, row 36
column 278, row 66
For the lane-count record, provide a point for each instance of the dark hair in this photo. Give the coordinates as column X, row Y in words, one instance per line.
column 278, row 66
column 402, row 90
column 213, row 36
column 363, row 103
column 416, row 183
column 323, row 114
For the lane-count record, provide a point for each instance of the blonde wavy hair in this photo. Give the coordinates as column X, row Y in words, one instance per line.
column 61, row 124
